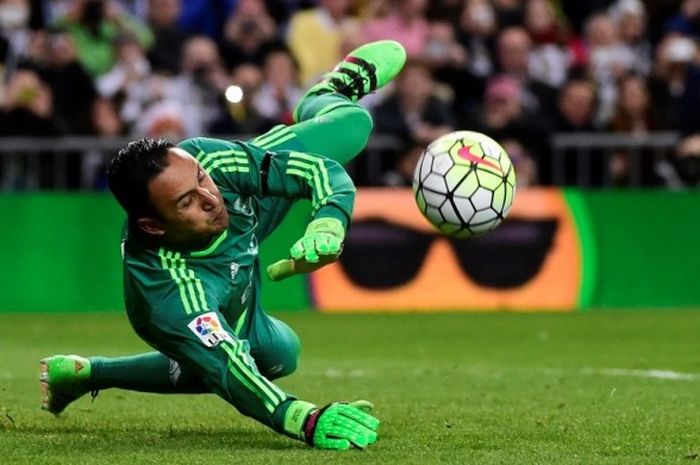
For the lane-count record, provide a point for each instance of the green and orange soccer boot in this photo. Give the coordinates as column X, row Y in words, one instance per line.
column 63, row 379
column 365, row 69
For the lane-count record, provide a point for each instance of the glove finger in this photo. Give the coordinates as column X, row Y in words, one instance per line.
column 361, row 436
column 322, row 244
column 334, row 245
column 331, row 442
column 350, row 432
column 364, row 405
column 361, row 417
column 297, row 250
column 310, row 254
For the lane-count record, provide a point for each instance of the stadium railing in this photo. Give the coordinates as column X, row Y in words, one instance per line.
column 75, row 161
column 585, row 152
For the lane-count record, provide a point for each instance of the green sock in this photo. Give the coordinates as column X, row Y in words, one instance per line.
column 331, row 125
column 151, row 372
column 314, row 105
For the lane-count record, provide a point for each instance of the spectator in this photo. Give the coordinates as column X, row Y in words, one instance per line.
column 682, row 169
column 609, row 59
column 405, row 23
column 576, row 106
column 676, row 83
column 629, row 17
column 27, row 106
column 447, row 58
column 163, row 16
column 74, row 92
column 94, row 25
column 280, row 91
column 163, row 120
column 199, row 89
column 28, row 110
column 106, row 118
column 248, row 32
column 513, row 47
column 502, row 107
column 633, row 115
column 576, row 109
column 503, row 117
column 416, row 115
column 687, row 21
column 14, row 22
column 314, row 36
column 442, row 51
column 128, row 81
column 616, row 67
column 549, row 60
column 78, row 108
column 477, row 28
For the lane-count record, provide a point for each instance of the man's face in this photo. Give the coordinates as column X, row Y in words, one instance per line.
column 577, row 101
column 514, row 50
column 190, row 207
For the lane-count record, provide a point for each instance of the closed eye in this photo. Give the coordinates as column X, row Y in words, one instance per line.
column 187, row 201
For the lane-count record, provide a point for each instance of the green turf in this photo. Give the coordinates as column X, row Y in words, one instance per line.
column 449, row 388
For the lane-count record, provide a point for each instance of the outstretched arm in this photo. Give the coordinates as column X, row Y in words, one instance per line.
column 249, row 170
column 203, row 341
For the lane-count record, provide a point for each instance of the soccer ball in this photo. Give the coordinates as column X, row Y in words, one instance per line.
column 464, row 184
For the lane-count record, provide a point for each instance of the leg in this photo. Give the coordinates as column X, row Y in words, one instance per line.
column 274, row 346
column 211, row 359
column 65, row 378
column 331, row 125
column 329, row 121
column 340, row 133
column 207, row 347
column 151, row 372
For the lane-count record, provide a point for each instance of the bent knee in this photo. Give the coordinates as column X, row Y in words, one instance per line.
column 279, row 370
column 362, row 119
column 357, row 126
column 285, row 360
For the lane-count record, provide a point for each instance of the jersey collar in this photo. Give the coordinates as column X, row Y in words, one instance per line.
column 212, row 247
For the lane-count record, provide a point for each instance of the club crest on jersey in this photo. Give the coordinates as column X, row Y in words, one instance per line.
column 208, row 329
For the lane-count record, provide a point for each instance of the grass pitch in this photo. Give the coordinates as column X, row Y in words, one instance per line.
column 591, row 388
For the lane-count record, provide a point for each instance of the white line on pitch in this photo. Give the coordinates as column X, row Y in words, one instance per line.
column 656, row 374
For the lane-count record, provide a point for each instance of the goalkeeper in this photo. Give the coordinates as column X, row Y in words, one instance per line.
column 196, row 213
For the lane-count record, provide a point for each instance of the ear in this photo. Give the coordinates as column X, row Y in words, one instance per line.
column 150, row 226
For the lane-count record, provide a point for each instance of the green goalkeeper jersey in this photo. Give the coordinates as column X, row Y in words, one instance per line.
column 165, row 290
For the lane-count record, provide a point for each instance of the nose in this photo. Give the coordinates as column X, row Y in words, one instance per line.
column 209, row 200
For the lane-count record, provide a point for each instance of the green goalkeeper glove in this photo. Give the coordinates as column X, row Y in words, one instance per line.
column 337, row 426
column 321, row 244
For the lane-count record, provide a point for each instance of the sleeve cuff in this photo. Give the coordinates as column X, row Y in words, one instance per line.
column 330, row 211
column 290, row 416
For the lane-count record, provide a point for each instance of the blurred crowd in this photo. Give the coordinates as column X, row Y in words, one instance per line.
column 518, row 70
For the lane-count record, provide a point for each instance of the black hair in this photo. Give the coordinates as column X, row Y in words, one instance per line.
column 130, row 171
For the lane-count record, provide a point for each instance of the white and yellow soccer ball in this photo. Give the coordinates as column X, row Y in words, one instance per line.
column 464, row 184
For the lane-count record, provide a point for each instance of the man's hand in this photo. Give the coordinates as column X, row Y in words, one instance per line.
column 321, row 244
column 336, row 426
